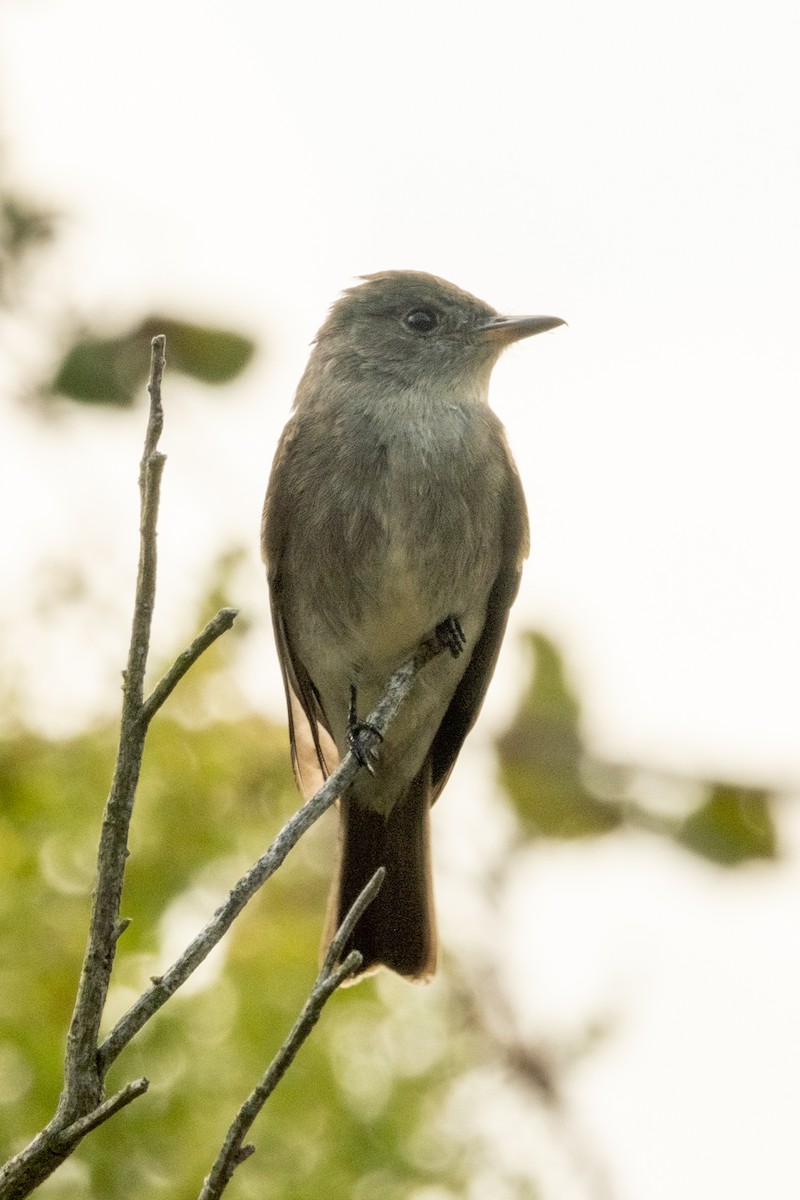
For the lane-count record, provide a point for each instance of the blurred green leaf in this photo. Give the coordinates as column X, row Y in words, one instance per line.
column 23, row 225
column 24, row 228
column 212, row 355
column 110, row 371
column 733, row 826
column 541, row 757
column 113, row 371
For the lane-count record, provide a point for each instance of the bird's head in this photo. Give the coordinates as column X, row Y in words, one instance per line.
column 415, row 328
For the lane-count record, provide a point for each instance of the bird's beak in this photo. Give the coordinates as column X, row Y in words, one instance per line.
column 504, row 330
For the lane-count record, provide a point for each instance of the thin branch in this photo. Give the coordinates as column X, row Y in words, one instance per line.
column 330, row 977
column 357, row 910
column 83, row 1084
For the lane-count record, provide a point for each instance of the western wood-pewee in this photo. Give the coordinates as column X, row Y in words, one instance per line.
column 394, row 511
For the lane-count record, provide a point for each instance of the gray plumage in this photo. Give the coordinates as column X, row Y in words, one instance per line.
column 393, row 505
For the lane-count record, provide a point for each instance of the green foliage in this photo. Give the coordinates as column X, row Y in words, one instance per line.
column 113, row 370
column 210, row 800
column 379, row 1101
column 733, row 825
column 97, row 369
column 24, row 228
column 541, row 757
column 554, row 782
column 23, row 225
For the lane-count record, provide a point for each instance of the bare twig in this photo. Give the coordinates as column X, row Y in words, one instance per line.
column 330, row 977
column 78, row 1129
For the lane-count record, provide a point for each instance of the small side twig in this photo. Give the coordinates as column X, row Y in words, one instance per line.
column 78, row 1129
column 233, row 1152
column 218, row 625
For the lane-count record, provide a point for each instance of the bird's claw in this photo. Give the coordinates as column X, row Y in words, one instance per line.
column 362, row 738
column 451, row 635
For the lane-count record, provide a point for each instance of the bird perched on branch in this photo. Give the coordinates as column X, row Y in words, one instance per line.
column 394, row 513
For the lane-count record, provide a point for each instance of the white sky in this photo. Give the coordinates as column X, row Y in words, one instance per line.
column 632, row 168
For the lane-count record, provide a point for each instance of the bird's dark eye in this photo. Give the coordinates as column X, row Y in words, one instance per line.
column 422, row 320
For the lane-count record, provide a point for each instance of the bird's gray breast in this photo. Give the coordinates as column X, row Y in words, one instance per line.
column 407, row 524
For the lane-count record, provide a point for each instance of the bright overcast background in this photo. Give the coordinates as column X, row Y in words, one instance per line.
column 632, row 168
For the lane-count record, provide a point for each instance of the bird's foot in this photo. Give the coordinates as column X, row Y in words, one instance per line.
column 362, row 738
column 451, row 635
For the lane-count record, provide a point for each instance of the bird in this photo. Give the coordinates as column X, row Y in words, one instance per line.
column 394, row 513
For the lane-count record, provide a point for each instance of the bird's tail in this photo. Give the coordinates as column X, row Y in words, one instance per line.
column 398, row 930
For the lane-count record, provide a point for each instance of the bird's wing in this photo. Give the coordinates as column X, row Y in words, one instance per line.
column 468, row 697
column 314, row 753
